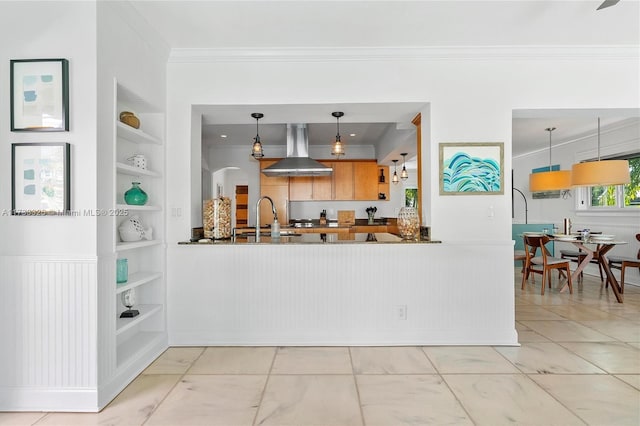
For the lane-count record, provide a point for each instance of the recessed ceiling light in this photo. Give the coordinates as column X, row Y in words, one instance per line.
column 352, row 134
column 223, row 136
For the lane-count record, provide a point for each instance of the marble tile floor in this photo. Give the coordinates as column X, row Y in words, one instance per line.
column 578, row 363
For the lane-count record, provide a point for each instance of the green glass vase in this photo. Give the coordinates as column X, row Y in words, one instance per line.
column 135, row 196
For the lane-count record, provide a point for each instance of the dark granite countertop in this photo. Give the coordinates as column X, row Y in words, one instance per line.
column 316, row 238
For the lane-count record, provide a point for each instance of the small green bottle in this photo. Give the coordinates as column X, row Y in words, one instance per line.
column 135, row 196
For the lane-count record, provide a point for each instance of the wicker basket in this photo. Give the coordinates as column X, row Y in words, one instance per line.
column 130, row 119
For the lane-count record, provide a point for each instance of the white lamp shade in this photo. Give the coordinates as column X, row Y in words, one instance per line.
column 550, row 181
column 600, row 173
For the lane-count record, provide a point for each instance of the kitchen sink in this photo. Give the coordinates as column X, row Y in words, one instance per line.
column 303, row 225
column 283, row 233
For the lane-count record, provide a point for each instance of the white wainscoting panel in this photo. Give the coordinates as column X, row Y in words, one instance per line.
column 48, row 327
column 341, row 294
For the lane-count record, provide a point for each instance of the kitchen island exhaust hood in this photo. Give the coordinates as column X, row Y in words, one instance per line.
column 297, row 162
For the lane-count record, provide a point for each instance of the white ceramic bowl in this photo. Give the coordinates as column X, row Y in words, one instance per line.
column 129, row 235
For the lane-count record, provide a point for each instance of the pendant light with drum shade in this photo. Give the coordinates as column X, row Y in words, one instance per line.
column 256, row 150
column 395, row 180
column 404, row 175
column 600, row 173
column 551, row 180
column 338, row 148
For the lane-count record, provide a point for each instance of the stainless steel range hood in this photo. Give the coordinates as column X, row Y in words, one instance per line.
column 297, row 162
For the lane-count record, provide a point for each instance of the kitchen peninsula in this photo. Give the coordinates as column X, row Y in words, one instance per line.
column 300, row 292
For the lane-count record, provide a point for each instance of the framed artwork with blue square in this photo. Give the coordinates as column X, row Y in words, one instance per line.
column 40, row 179
column 39, row 95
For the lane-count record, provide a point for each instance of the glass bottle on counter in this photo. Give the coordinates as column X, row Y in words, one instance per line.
column 216, row 218
column 408, row 223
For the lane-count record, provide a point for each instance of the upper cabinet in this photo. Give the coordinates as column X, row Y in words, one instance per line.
column 365, row 180
column 350, row 180
column 383, row 183
column 277, row 188
column 342, row 180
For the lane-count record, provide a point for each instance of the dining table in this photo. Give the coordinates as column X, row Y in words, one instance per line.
column 596, row 247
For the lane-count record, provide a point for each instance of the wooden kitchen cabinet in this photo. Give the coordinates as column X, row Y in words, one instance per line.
column 383, row 187
column 279, row 194
column 323, row 185
column 301, row 188
column 305, row 188
column 277, row 188
column 365, row 180
column 342, row 180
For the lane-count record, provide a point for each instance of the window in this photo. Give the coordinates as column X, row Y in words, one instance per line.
column 617, row 196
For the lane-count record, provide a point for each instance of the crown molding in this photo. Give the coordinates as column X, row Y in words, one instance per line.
column 621, row 147
column 323, row 54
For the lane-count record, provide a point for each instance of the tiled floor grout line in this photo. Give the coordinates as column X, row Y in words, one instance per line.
column 555, row 399
column 266, row 383
column 186, row 371
column 355, row 382
column 528, row 375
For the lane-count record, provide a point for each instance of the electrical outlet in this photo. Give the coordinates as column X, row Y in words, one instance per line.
column 401, row 312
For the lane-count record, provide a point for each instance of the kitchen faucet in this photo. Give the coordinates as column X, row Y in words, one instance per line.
column 275, row 216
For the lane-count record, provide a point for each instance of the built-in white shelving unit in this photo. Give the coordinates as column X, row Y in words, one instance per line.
column 139, row 208
column 137, row 339
column 126, row 169
column 136, row 279
column 136, row 245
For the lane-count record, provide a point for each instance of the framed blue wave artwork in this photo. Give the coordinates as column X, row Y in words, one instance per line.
column 470, row 168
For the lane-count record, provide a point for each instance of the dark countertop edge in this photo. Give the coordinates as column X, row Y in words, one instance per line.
column 341, row 242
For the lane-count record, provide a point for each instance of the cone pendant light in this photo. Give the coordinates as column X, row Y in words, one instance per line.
column 600, row 173
column 552, row 180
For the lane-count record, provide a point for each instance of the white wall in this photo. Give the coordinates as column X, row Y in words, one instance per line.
column 471, row 100
column 48, row 264
column 56, row 30
column 56, row 292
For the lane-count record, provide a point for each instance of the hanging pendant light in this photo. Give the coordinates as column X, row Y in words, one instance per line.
column 256, row 150
column 551, row 180
column 404, row 175
column 600, row 173
column 338, row 148
column 395, row 178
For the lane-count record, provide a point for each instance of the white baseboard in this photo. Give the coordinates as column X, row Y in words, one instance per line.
column 55, row 400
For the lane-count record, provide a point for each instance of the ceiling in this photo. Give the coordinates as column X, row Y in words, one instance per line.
column 271, row 24
column 304, row 23
column 529, row 134
column 370, row 122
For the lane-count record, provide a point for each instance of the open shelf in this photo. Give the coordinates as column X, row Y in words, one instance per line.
column 134, row 347
column 140, row 208
column 136, row 244
column 135, row 135
column 123, row 324
column 135, row 171
column 137, row 279
column 136, row 341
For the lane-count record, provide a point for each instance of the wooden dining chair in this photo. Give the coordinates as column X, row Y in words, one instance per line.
column 542, row 263
column 520, row 255
column 622, row 263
